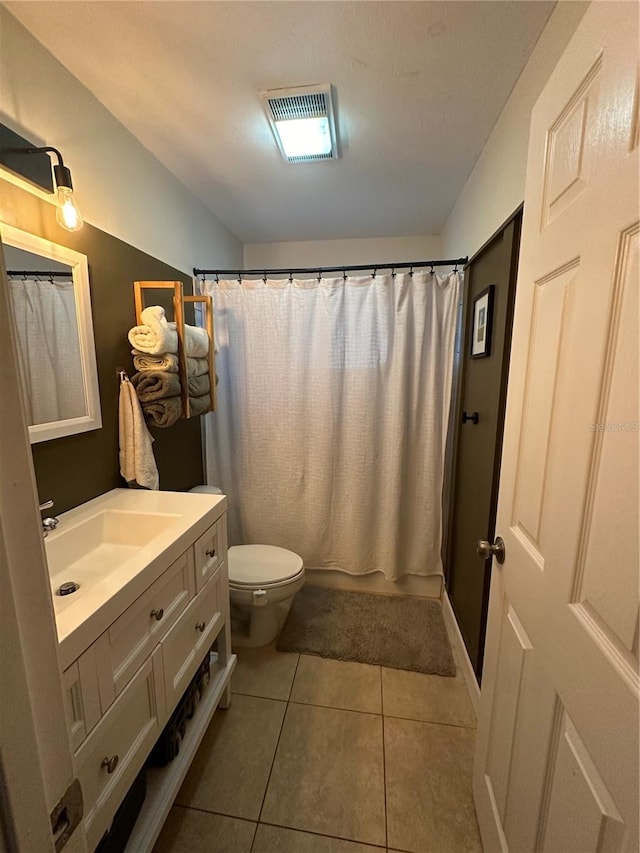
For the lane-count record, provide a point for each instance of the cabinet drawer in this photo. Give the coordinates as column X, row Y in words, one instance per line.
column 184, row 647
column 209, row 551
column 81, row 696
column 134, row 635
column 112, row 755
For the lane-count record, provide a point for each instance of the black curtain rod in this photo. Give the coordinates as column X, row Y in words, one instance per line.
column 401, row 265
column 43, row 273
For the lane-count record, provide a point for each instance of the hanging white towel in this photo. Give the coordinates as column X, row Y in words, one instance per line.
column 156, row 335
column 137, row 462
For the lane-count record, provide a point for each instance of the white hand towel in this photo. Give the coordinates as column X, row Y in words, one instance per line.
column 137, row 463
column 156, row 335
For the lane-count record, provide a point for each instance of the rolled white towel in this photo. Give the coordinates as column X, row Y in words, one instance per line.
column 169, row 362
column 157, row 336
column 196, row 341
column 163, row 361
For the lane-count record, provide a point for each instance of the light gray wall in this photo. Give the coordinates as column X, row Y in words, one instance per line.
column 121, row 188
column 324, row 253
column 495, row 187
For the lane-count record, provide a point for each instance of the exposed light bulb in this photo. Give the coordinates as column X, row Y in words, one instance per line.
column 68, row 214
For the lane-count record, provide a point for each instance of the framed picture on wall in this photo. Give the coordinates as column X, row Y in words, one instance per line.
column 482, row 322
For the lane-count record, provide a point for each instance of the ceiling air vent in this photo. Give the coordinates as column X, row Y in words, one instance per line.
column 303, row 122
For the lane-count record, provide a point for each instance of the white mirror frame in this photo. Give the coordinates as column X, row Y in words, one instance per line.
column 80, row 270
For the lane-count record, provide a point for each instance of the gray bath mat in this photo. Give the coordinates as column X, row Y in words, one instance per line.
column 387, row 630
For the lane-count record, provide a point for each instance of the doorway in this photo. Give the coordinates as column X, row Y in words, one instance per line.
column 479, row 420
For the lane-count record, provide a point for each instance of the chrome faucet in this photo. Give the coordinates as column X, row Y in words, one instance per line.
column 48, row 523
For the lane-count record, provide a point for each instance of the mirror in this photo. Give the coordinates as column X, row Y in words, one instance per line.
column 49, row 290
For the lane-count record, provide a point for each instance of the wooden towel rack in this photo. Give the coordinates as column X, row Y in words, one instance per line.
column 179, row 300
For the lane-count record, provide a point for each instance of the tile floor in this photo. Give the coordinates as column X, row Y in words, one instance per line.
column 323, row 756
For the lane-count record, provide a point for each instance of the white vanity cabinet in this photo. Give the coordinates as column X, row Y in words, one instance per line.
column 122, row 689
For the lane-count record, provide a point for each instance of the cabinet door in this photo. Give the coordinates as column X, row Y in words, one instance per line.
column 210, row 551
column 185, row 646
column 112, row 755
column 133, row 636
column 82, row 697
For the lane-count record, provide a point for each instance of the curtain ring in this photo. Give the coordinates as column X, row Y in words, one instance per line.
column 344, row 274
column 264, row 276
column 393, row 272
column 239, row 276
column 432, row 273
column 51, row 279
column 373, row 274
column 455, row 269
column 411, row 270
column 217, row 279
column 290, row 276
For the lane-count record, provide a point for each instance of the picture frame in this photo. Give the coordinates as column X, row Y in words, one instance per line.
column 482, row 323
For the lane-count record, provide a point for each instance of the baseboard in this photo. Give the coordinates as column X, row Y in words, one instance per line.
column 462, row 656
column 416, row 585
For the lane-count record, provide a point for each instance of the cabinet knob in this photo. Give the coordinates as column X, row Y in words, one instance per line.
column 157, row 614
column 110, row 763
column 211, row 552
column 200, row 626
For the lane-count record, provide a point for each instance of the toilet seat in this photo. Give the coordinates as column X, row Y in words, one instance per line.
column 262, row 566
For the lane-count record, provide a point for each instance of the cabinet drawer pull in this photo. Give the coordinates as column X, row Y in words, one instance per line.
column 200, row 626
column 157, row 614
column 211, row 552
column 110, row 763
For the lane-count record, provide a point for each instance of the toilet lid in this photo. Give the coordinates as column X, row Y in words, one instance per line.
column 262, row 564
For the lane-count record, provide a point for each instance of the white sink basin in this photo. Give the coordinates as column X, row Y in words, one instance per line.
column 113, row 548
column 87, row 551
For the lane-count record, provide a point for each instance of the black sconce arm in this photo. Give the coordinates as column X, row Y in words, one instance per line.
column 61, row 172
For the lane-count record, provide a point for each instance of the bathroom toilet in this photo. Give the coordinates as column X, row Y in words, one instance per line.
column 263, row 580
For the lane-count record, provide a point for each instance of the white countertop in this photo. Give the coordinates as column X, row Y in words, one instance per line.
column 115, row 546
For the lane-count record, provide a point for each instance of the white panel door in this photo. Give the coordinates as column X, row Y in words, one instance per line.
column 556, row 767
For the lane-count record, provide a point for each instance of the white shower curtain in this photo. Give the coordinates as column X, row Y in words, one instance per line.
column 333, row 403
column 49, row 357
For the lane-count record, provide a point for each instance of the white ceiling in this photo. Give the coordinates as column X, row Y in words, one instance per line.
column 419, row 84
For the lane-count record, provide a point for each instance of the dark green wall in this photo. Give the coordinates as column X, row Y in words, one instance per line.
column 74, row 469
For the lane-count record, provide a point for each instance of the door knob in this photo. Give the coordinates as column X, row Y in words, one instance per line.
column 485, row 549
column 200, row 626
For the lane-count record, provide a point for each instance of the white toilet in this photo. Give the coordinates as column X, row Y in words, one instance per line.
column 263, row 580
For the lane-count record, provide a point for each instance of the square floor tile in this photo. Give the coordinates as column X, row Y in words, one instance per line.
column 328, row 774
column 433, row 698
column 429, row 787
column 337, row 684
column 190, row 831
column 230, row 770
column 270, row 839
column 264, row 672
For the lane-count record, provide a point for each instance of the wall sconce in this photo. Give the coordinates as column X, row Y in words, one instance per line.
column 67, row 212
